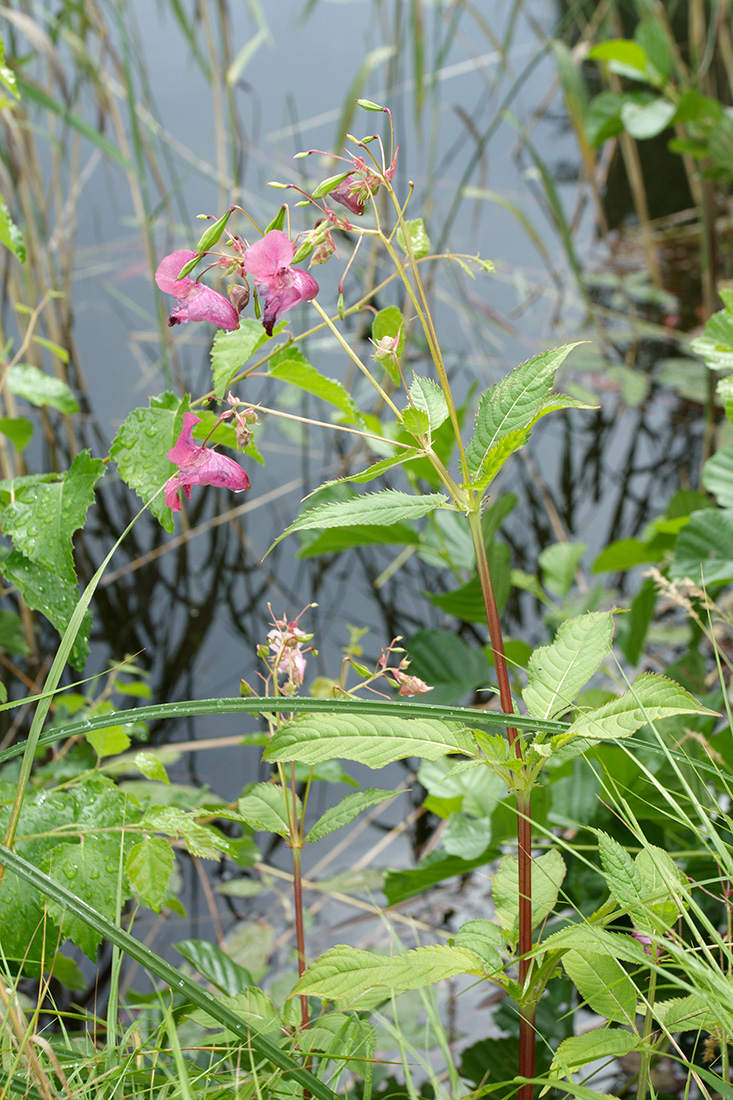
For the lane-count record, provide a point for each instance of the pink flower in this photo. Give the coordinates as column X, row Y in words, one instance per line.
column 196, row 302
column 279, row 284
column 355, row 192
column 199, row 465
column 410, row 685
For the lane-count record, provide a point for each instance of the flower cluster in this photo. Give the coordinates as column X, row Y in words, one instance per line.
column 408, row 685
column 287, row 655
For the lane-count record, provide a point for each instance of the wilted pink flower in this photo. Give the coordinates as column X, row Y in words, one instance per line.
column 280, row 285
column 360, row 186
column 196, row 302
column 286, row 644
column 199, row 465
column 409, row 685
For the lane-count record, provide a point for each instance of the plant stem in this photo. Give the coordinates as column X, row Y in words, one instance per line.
column 642, row 1083
column 524, row 813
column 297, row 846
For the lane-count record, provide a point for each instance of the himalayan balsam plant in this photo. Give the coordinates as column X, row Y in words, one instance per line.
column 165, row 452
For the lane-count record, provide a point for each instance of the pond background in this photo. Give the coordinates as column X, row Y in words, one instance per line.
column 208, row 102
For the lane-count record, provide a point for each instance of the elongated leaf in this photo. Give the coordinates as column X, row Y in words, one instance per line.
column 165, row 971
column 374, row 743
column 387, row 507
column 435, row 868
column 485, row 939
column 650, row 698
column 603, row 984
column 512, row 405
column 692, row 1013
column 337, row 539
column 622, row 875
column 428, row 396
column 42, row 518
column 378, row 468
column 558, row 564
column 467, row 602
column 558, row 672
column 54, row 597
column 417, row 237
column 548, row 871
column 265, row 807
column 594, row 940
column 664, row 888
column 215, row 965
column 292, row 366
column 344, row 974
column 89, row 131
column 347, row 810
column 41, row 389
column 578, row 1050
column 715, row 345
column 231, row 350
column 201, row 840
column 140, row 450
column 149, row 866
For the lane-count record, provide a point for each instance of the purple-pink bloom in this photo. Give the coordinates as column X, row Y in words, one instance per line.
column 196, row 302
column 354, row 193
column 280, row 285
column 199, row 465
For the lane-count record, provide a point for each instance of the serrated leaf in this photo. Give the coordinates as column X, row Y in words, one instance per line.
column 603, row 984
column 346, row 811
column 252, row 1005
column 201, row 840
column 18, row 429
column 593, row 939
column 345, row 974
column 43, row 517
column 292, row 366
column 91, row 869
column 704, row 548
column 149, row 866
column 314, row 738
column 664, row 889
column 715, row 345
column 54, row 597
column 649, row 699
column 231, row 350
column 435, row 868
column 417, row 236
column 692, row 1013
column 140, row 448
column 511, row 407
column 215, row 965
column 387, row 507
column 428, row 396
column 548, row 871
column 600, row 1043
column 109, row 741
column 266, row 807
column 379, row 468
column 415, row 421
column 485, row 939
column 558, row 672
column 41, row 389
column 343, row 538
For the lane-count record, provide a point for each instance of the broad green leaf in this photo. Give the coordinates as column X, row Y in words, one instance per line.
column 343, row 538
column 715, row 345
column 266, row 807
column 417, row 236
column 10, row 234
column 633, row 626
column 416, row 422
column 436, row 867
column 649, row 699
column 467, row 602
column 41, row 389
column 317, row 737
column 345, row 812
column 390, row 323
column 511, row 407
column 625, row 554
column 704, row 548
column 18, row 429
column 140, row 450
column 644, row 121
column 292, row 366
column 623, row 876
column 664, row 888
column 231, row 350
column 717, row 476
column 592, row 939
column 428, row 396
column 149, row 866
column 42, row 518
column 603, row 984
column 466, row 836
column 485, row 939
column 548, row 871
column 215, row 965
column 558, row 672
column 692, row 1013
column 344, row 974
column 201, row 840
column 387, row 507
column 90, row 869
column 603, row 119
column 149, row 765
column 626, row 57
column 558, row 564
column 252, row 1005
column 652, row 36
column 591, row 1046
column 54, row 597
column 110, row 741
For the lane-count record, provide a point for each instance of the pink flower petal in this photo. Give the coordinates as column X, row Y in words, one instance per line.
column 199, row 465
column 266, row 257
column 168, row 271
column 196, row 302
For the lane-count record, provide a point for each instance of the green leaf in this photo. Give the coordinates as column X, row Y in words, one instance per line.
column 151, row 767
column 231, row 350
column 54, row 597
column 201, row 840
column 43, row 517
column 417, row 237
column 91, row 870
column 548, row 871
column 415, row 421
column 378, row 468
column 27, row 381
column 435, row 868
column 510, row 408
column 387, row 507
column 715, row 345
column 626, row 57
column 266, row 807
column 649, row 698
column 603, row 119
column 596, row 940
column 485, row 939
column 625, row 554
column 559, row 563
column 558, row 672
column 467, row 602
column 704, row 548
column 717, row 476
column 149, row 866
column 215, row 965
column 291, row 366
column 343, row 538
column 318, row 737
column 345, row 974
column 644, row 121
column 18, row 429
column 345, row 812
column 140, row 450
column 652, row 37
column 110, row 741
column 603, row 984
column 599, row 1043
column 448, row 664
column 12, row 638
column 692, row 1013
column 10, row 235
column 389, row 322
column 633, row 626
column 428, row 396
column 664, row 889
